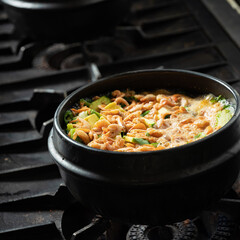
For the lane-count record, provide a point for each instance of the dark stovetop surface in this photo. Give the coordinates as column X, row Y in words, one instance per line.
column 36, row 76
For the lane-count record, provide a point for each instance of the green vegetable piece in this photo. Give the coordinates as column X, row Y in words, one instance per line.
column 200, row 135
column 147, row 134
column 145, row 113
column 92, row 119
column 85, row 103
column 78, row 139
column 226, row 106
column 113, row 105
column 130, row 99
column 128, row 139
column 140, row 141
column 83, row 114
column 163, row 112
column 223, row 117
column 73, row 120
column 72, row 131
column 68, row 116
column 69, row 126
column 220, row 97
column 94, row 112
column 154, row 144
column 102, row 100
column 216, row 99
column 149, row 122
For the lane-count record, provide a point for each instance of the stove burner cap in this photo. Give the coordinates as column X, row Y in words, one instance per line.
column 69, row 56
column 183, row 230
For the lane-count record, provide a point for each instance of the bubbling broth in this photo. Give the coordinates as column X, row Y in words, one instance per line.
column 126, row 121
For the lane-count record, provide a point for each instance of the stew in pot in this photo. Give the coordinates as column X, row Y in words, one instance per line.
column 125, row 121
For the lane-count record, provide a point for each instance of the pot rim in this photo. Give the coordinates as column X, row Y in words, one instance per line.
column 50, row 5
column 64, row 136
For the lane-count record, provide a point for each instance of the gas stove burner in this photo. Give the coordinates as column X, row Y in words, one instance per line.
column 58, row 56
column 179, row 231
column 224, row 230
column 68, row 56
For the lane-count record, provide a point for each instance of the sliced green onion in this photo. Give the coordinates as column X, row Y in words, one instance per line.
column 200, row 135
column 217, row 99
column 85, row 103
column 226, row 106
column 145, row 113
column 140, row 141
column 68, row 116
column 72, row 131
column 69, row 127
column 154, row 144
column 95, row 112
column 130, row 99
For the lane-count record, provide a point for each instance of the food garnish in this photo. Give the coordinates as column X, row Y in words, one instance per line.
column 125, row 121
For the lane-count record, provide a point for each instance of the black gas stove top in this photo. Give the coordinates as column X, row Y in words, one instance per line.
column 36, row 76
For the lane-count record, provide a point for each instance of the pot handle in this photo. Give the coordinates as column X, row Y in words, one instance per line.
column 94, row 72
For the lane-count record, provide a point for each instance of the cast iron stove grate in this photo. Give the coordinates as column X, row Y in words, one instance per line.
column 36, row 76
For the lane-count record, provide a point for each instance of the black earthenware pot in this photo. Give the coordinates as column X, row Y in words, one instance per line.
column 157, row 187
column 70, row 20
